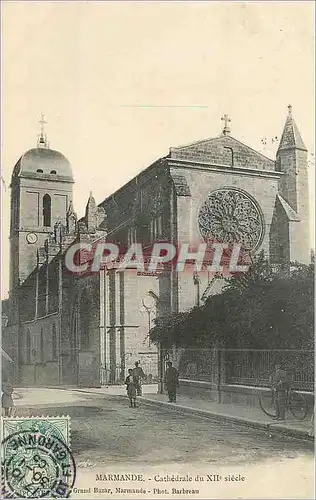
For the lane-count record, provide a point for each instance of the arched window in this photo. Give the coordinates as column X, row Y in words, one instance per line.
column 53, row 172
column 47, row 211
column 39, row 171
column 28, row 348
column 42, row 346
column 54, row 343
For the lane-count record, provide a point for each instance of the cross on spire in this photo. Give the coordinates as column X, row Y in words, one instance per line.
column 227, row 120
column 290, row 109
column 42, row 140
column 42, row 122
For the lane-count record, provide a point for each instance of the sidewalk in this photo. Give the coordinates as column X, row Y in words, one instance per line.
column 241, row 415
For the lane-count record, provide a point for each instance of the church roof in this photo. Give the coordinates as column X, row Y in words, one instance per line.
column 291, row 137
column 289, row 212
column 39, row 162
column 224, row 150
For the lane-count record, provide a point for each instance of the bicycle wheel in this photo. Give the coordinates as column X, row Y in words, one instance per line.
column 267, row 403
column 298, row 405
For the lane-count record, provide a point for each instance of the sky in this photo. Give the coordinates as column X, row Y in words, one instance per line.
column 122, row 82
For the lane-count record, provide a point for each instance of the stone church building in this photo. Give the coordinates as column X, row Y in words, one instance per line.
column 88, row 330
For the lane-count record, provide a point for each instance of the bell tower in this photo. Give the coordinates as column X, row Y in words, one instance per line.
column 41, row 193
column 291, row 160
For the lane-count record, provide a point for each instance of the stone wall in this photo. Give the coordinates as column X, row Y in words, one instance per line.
column 263, row 189
column 127, row 322
column 44, row 340
column 40, row 375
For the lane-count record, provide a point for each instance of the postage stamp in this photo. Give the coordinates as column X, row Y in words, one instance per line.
column 36, row 458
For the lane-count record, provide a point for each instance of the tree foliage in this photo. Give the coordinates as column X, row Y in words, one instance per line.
column 259, row 309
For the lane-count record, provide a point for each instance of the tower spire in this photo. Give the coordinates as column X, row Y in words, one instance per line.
column 42, row 138
column 91, row 214
column 291, row 137
column 291, row 160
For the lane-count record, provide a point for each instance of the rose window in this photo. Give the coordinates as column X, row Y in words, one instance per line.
column 231, row 216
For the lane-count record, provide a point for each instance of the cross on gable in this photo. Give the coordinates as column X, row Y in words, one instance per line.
column 227, row 120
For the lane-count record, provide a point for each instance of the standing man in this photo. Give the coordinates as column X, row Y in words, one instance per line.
column 7, row 400
column 171, row 381
column 281, row 385
column 131, row 388
column 138, row 375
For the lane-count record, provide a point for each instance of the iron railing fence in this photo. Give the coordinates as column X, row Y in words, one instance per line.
column 116, row 377
column 248, row 366
column 255, row 367
column 196, row 364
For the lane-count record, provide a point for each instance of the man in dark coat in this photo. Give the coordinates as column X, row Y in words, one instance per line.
column 281, row 384
column 131, row 388
column 139, row 376
column 7, row 400
column 171, row 381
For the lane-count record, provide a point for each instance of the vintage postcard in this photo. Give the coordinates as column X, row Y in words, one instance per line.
column 157, row 243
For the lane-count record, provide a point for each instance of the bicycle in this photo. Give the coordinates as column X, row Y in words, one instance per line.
column 295, row 402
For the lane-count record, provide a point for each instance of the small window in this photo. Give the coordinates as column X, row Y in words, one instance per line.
column 156, row 227
column 39, row 170
column 53, row 172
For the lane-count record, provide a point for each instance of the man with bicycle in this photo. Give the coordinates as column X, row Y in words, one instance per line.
column 281, row 385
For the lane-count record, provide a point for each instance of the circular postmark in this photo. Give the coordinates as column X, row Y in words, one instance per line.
column 35, row 465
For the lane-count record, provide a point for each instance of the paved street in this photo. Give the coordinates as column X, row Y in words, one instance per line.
column 105, row 430
column 108, row 438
